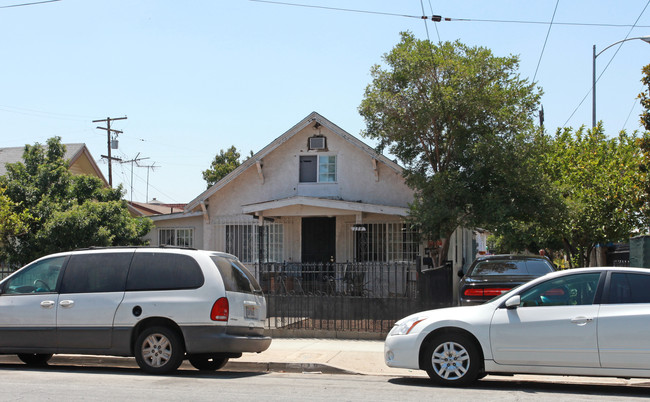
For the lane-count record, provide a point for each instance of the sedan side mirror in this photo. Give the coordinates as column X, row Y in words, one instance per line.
column 513, row 302
column 461, row 273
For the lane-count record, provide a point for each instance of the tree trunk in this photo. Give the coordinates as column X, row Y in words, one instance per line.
column 569, row 250
column 444, row 250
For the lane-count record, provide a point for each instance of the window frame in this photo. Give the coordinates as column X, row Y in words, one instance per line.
column 557, row 282
column 608, row 299
column 177, row 236
column 242, row 241
column 384, row 242
column 322, row 161
column 4, row 291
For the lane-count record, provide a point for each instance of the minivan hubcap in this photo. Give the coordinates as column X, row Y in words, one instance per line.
column 156, row 350
column 450, row 360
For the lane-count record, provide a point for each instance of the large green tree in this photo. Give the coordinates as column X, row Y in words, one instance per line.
column 461, row 121
column 224, row 162
column 644, row 97
column 61, row 211
column 599, row 182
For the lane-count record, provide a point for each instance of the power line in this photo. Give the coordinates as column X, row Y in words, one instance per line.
column 426, row 27
column 609, row 62
column 546, row 40
column 29, row 4
column 438, row 18
column 435, row 25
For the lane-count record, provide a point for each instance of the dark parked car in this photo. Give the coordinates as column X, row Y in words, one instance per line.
column 491, row 275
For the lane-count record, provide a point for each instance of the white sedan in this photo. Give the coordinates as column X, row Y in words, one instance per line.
column 587, row 321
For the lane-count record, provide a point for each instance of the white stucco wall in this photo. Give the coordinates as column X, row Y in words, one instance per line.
column 178, row 222
column 356, row 180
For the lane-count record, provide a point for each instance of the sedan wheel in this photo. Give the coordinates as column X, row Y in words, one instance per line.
column 158, row 350
column 452, row 359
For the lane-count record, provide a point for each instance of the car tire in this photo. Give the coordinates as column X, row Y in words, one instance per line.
column 452, row 359
column 35, row 359
column 207, row 363
column 159, row 350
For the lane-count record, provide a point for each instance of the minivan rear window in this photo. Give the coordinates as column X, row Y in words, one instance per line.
column 164, row 271
column 236, row 277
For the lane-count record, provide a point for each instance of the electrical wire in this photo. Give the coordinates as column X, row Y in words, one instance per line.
column 610, row 61
column 546, row 40
column 438, row 18
column 29, row 4
column 425, row 21
column 435, row 24
column 629, row 114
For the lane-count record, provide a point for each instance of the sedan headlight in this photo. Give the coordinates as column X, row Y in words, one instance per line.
column 406, row 326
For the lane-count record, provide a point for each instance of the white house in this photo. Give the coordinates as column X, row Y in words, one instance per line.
column 314, row 194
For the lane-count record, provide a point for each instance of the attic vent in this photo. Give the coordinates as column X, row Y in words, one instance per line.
column 317, row 143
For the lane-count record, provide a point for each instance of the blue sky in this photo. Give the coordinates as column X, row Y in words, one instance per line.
column 198, row 76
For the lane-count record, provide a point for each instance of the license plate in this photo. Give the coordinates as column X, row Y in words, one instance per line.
column 250, row 311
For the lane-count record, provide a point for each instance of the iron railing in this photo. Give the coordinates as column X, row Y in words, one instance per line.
column 5, row 272
column 350, row 296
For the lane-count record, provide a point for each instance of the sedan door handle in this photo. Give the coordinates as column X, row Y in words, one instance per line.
column 47, row 303
column 581, row 320
column 66, row 303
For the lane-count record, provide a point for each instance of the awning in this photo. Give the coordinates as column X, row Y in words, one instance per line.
column 312, row 206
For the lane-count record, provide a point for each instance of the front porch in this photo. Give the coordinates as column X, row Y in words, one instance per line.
column 351, row 299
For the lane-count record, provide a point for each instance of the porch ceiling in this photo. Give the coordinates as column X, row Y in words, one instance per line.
column 311, row 206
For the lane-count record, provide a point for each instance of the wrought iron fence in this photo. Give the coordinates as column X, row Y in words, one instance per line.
column 4, row 272
column 350, row 296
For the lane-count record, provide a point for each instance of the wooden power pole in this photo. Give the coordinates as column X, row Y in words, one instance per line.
column 109, row 131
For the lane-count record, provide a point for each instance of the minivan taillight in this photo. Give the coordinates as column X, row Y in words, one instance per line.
column 219, row 310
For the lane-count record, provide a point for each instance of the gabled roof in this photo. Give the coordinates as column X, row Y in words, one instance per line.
column 310, row 119
column 73, row 153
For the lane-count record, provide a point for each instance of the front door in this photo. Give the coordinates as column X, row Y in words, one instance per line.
column 318, row 239
column 28, row 307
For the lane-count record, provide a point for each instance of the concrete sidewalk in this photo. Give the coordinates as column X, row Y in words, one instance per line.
column 327, row 355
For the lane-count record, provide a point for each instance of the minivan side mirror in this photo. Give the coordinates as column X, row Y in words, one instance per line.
column 513, row 302
column 461, row 273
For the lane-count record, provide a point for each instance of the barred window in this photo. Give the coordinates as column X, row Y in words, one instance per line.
column 242, row 241
column 384, row 242
column 176, row 237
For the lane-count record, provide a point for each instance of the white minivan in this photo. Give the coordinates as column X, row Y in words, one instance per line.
column 161, row 305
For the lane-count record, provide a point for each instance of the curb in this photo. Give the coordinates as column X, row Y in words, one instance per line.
column 233, row 365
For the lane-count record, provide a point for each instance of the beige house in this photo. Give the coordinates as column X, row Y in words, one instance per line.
column 78, row 156
column 314, row 194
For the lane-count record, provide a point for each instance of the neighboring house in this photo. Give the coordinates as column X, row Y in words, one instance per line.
column 154, row 207
column 314, row 194
column 79, row 159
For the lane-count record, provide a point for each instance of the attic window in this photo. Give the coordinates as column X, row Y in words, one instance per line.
column 317, row 143
column 318, row 169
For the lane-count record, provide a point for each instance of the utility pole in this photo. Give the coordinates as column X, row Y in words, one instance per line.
column 132, row 161
column 152, row 167
column 109, row 131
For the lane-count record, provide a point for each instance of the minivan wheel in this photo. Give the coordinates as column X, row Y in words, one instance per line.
column 158, row 350
column 207, row 363
column 452, row 359
column 35, row 359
